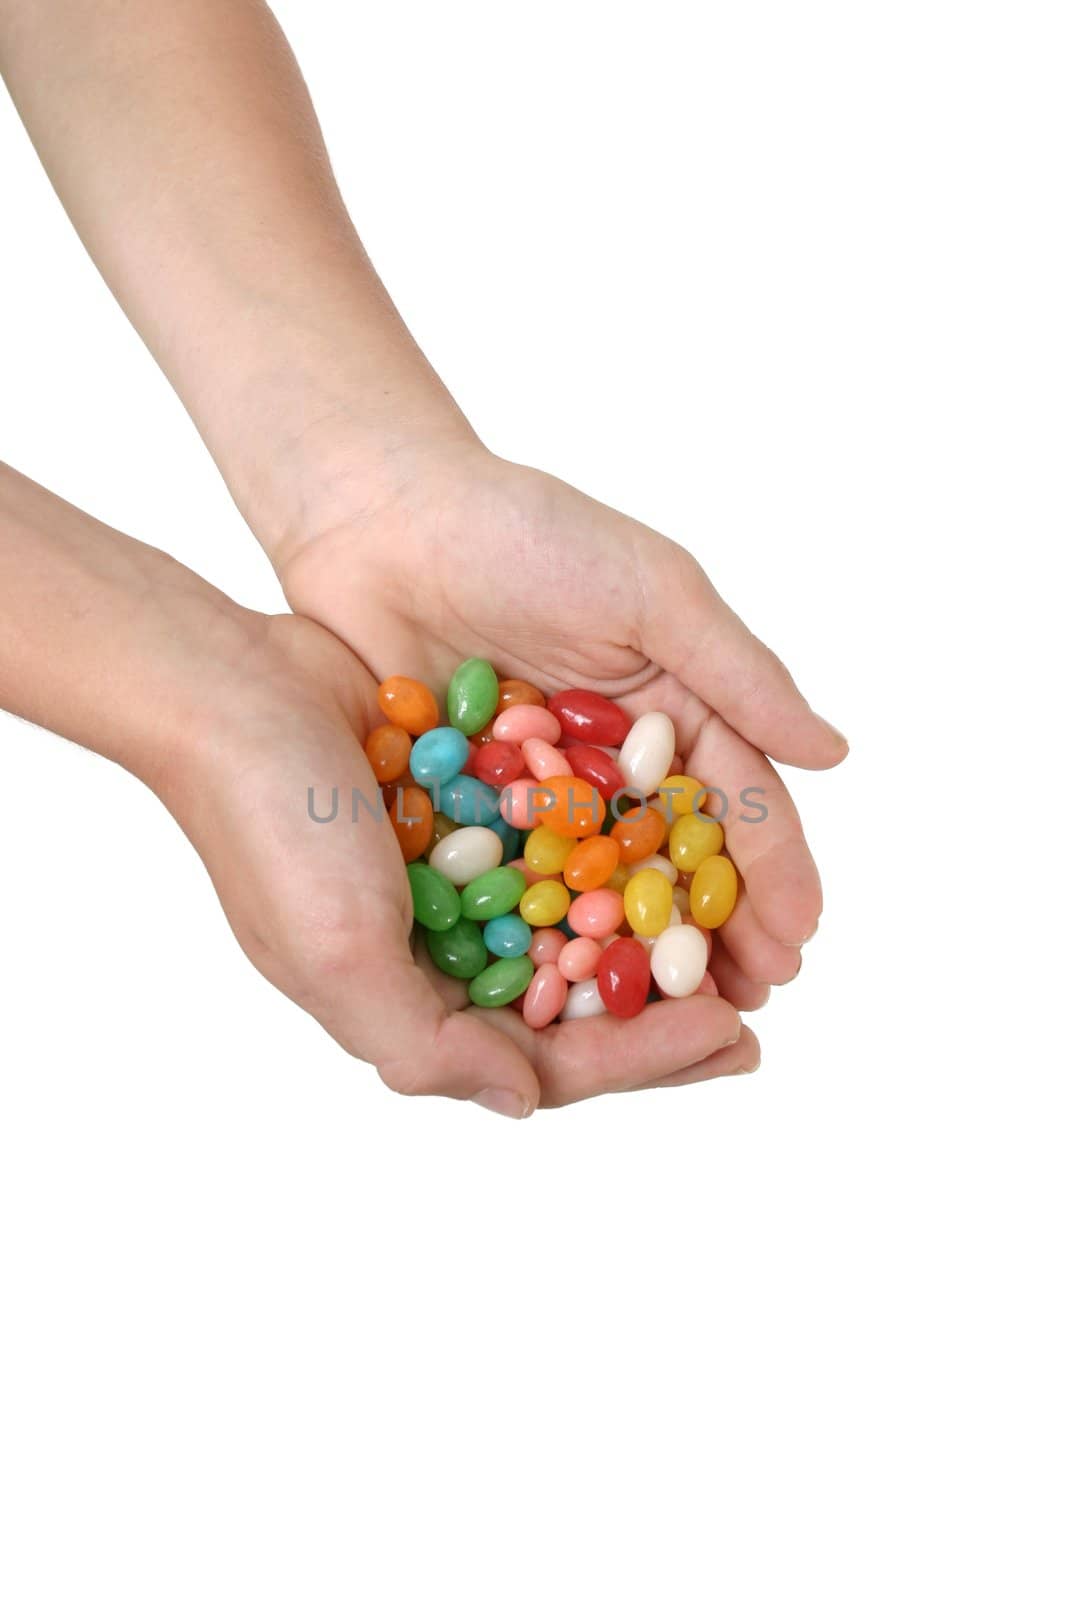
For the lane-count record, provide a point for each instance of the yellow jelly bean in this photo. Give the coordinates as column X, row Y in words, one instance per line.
column 545, row 904
column 547, row 852
column 713, row 891
column 681, row 795
column 619, row 879
column 693, row 839
column 649, row 901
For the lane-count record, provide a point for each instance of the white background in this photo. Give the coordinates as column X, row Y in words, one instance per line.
column 787, row 282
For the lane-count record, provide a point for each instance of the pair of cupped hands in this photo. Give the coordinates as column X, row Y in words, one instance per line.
column 469, row 555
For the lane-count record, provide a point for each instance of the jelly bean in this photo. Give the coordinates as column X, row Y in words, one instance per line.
column 519, row 723
column 713, row 893
column 442, row 827
column 522, row 865
column 545, row 998
column 502, row 981
column 388, row 748
column 584, row 1000
column 438, row 756
column 524, row 803
column 597, row 768
column 543, row 760
column 408, row 703
column 507, row 935
column 565, row 928
column 679, row 961
column 591, row 863
column 411, row 814
column 472, row 695
column 547, row 852
column 575, row 809
column 681, row 900
column 460, row 950
column 645, row 757
column 657, row 864
column 638, row 834
column 597, row 913
column 468, row 801
column 493, row 893
column 693, row 839
column 623, row 977
column 544, row 904
column 546, row 945
column 435, row 901
column 467, row 854
column 648, row 902
column 517, row 692
column 589, row 717
column 509, row 836
column 619, row 879
column 579, row 959
column 497, row 763
column 682, row 795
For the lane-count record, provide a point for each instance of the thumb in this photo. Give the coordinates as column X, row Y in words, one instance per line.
column 689, row 629
column 381, row 1007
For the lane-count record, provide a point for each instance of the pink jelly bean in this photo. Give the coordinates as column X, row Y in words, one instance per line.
column 596, row 913
column 579, row 959
column 524, row 802
column 519, row 723
column 522, row 865
column 544, row 760
column 545, row 998
column 546, row 944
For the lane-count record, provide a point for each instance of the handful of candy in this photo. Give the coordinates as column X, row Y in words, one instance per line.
column 558, row 856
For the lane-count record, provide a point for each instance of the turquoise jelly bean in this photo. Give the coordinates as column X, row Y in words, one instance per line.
column 510, row 837
column 566, row 929
column 508, row 935
column 438, row 756
column 501, row 982
column 472, row 695
column 469, row 801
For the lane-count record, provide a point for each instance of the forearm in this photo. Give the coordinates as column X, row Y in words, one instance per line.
column 181, row 139
column 107, row 641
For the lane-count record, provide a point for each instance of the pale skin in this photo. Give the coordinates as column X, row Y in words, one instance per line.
column 182, row 141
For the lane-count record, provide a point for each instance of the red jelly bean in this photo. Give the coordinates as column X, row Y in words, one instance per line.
column 596, row 768
column 623, row 977
column 497, row 763
column 588, row 716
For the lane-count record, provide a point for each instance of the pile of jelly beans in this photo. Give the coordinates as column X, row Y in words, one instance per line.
column 560, row 859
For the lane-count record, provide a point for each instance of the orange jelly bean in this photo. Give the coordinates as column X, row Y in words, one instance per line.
column 408, row 703
column 411, row 814
column 388, row 748
column 517, row 692
column 639, row 834
column 591, row 863
column 571, row 807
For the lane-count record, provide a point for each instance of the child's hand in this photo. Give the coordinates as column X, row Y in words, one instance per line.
column 323, row 909
column 472, row 555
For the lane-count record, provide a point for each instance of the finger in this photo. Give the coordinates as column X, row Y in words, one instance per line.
column 690, row 630
column 742, row 1057
column 763, row 833
column 583, row 1057
column 734, row 985
column 761, row 959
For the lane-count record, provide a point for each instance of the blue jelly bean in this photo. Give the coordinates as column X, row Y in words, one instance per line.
column 508, row 935
column 510, row 837
column 438, row 756
column 467, row 800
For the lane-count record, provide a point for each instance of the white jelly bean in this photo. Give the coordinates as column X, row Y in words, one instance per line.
column 658, row 864
column 465, row 854
column 679, row 960
column 584, row 1000
column 647, row 752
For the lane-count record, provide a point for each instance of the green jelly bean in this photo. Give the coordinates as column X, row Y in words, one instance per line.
column 435, row 900
column 494, row 892
column 502, row 982
column 472, row 695
column 459, row 950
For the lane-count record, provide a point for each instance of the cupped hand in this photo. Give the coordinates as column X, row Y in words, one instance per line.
column 469, row 555
column 323, row 910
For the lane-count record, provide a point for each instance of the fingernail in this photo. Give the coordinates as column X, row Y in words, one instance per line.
column 835, row 731
column 505, row 1102
column 796, row 944
column 740, row 1071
